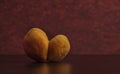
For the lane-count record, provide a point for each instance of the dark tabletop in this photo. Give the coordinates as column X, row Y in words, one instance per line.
column 72, row 64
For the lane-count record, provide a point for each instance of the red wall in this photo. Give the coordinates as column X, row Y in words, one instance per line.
column 93, row 26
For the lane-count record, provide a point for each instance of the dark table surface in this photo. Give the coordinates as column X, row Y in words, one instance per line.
column 72, row 64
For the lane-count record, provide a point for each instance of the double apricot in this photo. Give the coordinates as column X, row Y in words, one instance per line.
column 38, row 47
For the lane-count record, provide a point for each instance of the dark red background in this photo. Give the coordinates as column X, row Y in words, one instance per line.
column 93, row 26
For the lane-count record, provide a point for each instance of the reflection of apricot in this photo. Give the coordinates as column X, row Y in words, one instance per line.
column 59, row 47
column 36, row 44
column 39, row 69
column 54, row 68
column 60, row 69
column 44, row 69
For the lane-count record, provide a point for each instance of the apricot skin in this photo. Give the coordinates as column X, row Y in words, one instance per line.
column 36, row 44
column 59, row 47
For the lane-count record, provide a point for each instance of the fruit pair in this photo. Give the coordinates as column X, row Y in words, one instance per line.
column 38, row 47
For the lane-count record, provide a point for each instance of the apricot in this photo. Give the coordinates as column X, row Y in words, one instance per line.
column 36, row 44
column 38, row 47
column 59, row 46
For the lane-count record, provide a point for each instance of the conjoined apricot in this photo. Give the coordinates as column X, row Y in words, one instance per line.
column 38, row 47
column 59, row 47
